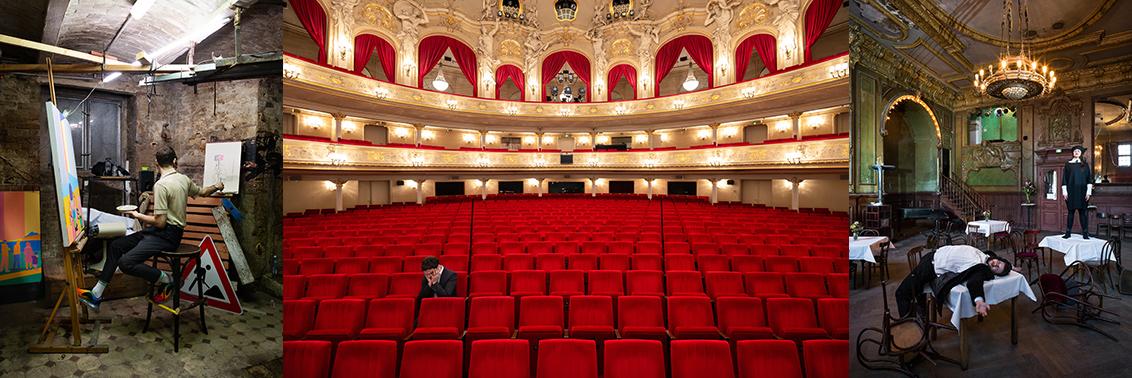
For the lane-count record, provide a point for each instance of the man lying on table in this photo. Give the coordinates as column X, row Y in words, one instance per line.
column 946, row 268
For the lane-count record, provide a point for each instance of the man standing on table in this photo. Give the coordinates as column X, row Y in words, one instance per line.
column 946, row 268
column 437, row 281
column 162, row 232
column 1076, row 188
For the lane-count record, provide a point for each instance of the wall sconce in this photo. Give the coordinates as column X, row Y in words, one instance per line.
column 815, row 122
column 329, row 185
column 482, row 161
column 749, row 92
column 650, row 161
column 678, row 104
column 722, row 64
column 349, row 126
column 539, row 161
column 336, row 158
column 314, row 122
column 594, row 161
column 490, row 138
column 788, row 48
column 511, row 110
column 782, row 126
column 620, row 109
column 547, row 139
column 381, row 93
column 428, row 134
column 409, row 66
column 401, row 132
column 641, row 138
column 417, row 160
column 664, row 137
column 291, row 71
column 532, row 182
column 730, row 131
column 794, row 157
column 528, row 140
column 703, row 134
column 451, row 104
column 602, row 139
column 839, row 70
column 584, row 139
column 411, row 183
column 565, row 111
column 469, row 138
column 715, row 160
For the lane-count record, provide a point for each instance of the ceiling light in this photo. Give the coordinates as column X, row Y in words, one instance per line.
column 1017, row 77
column 196, row 37
column 566, row 10
column 439, row 83
column 140, row 7
column 690, row 82
column 111, row 77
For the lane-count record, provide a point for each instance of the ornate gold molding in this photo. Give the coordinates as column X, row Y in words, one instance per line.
column 1042, row 43
column 964, row 67
column 832, row 153
column 867, row 52
column 1073, row 82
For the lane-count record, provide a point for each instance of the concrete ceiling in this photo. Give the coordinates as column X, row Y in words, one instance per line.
column 951, row 37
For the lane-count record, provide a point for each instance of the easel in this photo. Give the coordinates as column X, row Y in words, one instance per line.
column 72, row 268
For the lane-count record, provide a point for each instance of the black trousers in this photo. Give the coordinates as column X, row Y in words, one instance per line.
column 131, row 252
column 913, row 286
column 1083, row 215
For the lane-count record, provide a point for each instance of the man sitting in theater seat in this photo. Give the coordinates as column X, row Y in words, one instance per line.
column 437, row 281
column 947, row 267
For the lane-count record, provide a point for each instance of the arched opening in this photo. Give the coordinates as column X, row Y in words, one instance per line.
column 683, row 65
column 756, row 57
column 304, row 30
column 442, row 55
column 820, row 41
column 911, row 144
column 566, row 77
column 622, row 83
column 375, row 57
column 509, row 80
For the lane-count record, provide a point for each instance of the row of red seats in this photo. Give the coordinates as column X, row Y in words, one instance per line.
column 461, row 263
column 839, row 249
column 587, row 317
column 567, row 283
column 461, row 236
column 566, row 358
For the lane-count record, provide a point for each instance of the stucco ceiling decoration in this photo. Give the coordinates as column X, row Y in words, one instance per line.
column 951, row 37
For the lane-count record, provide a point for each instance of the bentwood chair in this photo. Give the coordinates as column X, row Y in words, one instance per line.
column 881, row 259
column 1068, row 301
column 898, row 342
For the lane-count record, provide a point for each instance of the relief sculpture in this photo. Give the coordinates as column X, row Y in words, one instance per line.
column 1002, row 155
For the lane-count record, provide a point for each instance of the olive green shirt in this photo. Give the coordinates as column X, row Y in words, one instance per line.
column 171, row 195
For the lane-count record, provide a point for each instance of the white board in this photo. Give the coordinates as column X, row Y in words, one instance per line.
column 67, row 184
column 222, row 164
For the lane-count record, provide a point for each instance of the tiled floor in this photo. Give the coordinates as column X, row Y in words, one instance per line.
column 236, row 345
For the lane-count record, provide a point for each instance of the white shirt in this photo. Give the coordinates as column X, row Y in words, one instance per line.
column 958, row 258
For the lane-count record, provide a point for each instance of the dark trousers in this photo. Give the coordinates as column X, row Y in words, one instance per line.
column 130, row 253
column 1083, row 215
column 913, row 286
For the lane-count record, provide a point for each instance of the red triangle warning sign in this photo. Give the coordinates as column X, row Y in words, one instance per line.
column 218, row 291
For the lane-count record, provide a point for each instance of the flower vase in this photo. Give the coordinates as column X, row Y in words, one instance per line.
column 856, row 235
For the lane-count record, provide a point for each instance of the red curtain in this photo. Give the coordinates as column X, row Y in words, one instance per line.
column 765, row 45
column 554, row 62
column 513, row 73
column 364, row 46
column 818, row 16
column 698, row 47
column 432, row 48
column 313, row 18
column 616, row 73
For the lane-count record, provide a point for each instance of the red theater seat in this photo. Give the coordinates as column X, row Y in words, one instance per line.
column 567, row 358
column 647, row 262
column 566, row 247
column 367, row 285
column 713, row 263
column 645, row 282
column 549, row 261
column 781, row 264
column 679, row 262
column 725, row 284
column 325, row 286
column 485, row 248
column 594, row 247
column 298, row 317
column 338, row 319
column 567, row 283
column 539, row 248
column 605, row 282
column 432, row 359
column 440, row 318
column 500, row 359
column 365, row 358
column 742, row 318
column 633, row 359
column 528, row 282
column 294, row 287
column 458, row 263
column 747, row 263
column 641, row 317
column 456, row 249
column 488, row 283
column 648, row 248
column 822, row 265
column 306, row 359
column 518, row 262
column 404, row 285
column 806, row 285
column 735, row 249
column 388, row 319
column 701, row 358
column 613, row 262
column 385, row 264
column 684, row 283
column 540, row 317
column 794, row 319
column 511, row 248
column 491, row 318
column 621, row 247
column 838, row 284
column 352, row 265
column 677, row 247
column 486, row 262
column 691, row 318
column 581, row 262
column 769, row 358
column 826, row 358
column 591, row 317
column 316, row 266
column 833, row 314
column 765, row 284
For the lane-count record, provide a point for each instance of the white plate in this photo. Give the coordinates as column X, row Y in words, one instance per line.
column 125, row 208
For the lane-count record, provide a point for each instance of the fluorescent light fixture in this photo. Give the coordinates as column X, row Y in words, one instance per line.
column 111, row 77
column 140, row 7
column 198, row 36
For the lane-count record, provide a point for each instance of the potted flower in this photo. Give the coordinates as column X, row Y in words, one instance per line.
column 1029, row 189
column 855, row 229
column 986, row 214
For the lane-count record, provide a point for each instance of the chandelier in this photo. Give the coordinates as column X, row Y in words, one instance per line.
column 561, row 88
column 566, row 10
column 620, row 9
column 690, row 82
column 439, row 83
column 511, row 10
column 1018, row 75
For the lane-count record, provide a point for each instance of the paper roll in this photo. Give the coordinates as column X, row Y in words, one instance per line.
column 109, row 230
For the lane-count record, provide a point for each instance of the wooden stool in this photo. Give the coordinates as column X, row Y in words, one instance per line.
column 174, row 258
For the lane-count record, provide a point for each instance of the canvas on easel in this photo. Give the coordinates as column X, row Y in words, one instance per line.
column 222, row 164
column 66, row 176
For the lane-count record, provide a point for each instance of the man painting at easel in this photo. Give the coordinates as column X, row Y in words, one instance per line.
column 162, row 232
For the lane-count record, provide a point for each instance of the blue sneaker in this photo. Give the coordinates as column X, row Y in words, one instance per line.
column 89, row 299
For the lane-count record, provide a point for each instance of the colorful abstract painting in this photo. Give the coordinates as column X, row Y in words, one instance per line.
column 66, row 176
column 19, row 238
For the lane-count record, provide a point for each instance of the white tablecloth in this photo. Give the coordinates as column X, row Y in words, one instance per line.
column 995, row 291
column 1077, row 248
column 990, row 227
column 864, row 246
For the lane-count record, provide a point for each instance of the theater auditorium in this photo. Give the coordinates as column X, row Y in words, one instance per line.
column 566, row 189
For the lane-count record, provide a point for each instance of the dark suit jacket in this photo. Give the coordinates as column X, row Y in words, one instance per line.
column 973, row 277
column 445, row 287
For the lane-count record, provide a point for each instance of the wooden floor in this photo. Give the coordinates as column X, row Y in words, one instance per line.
column 1043, row 350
